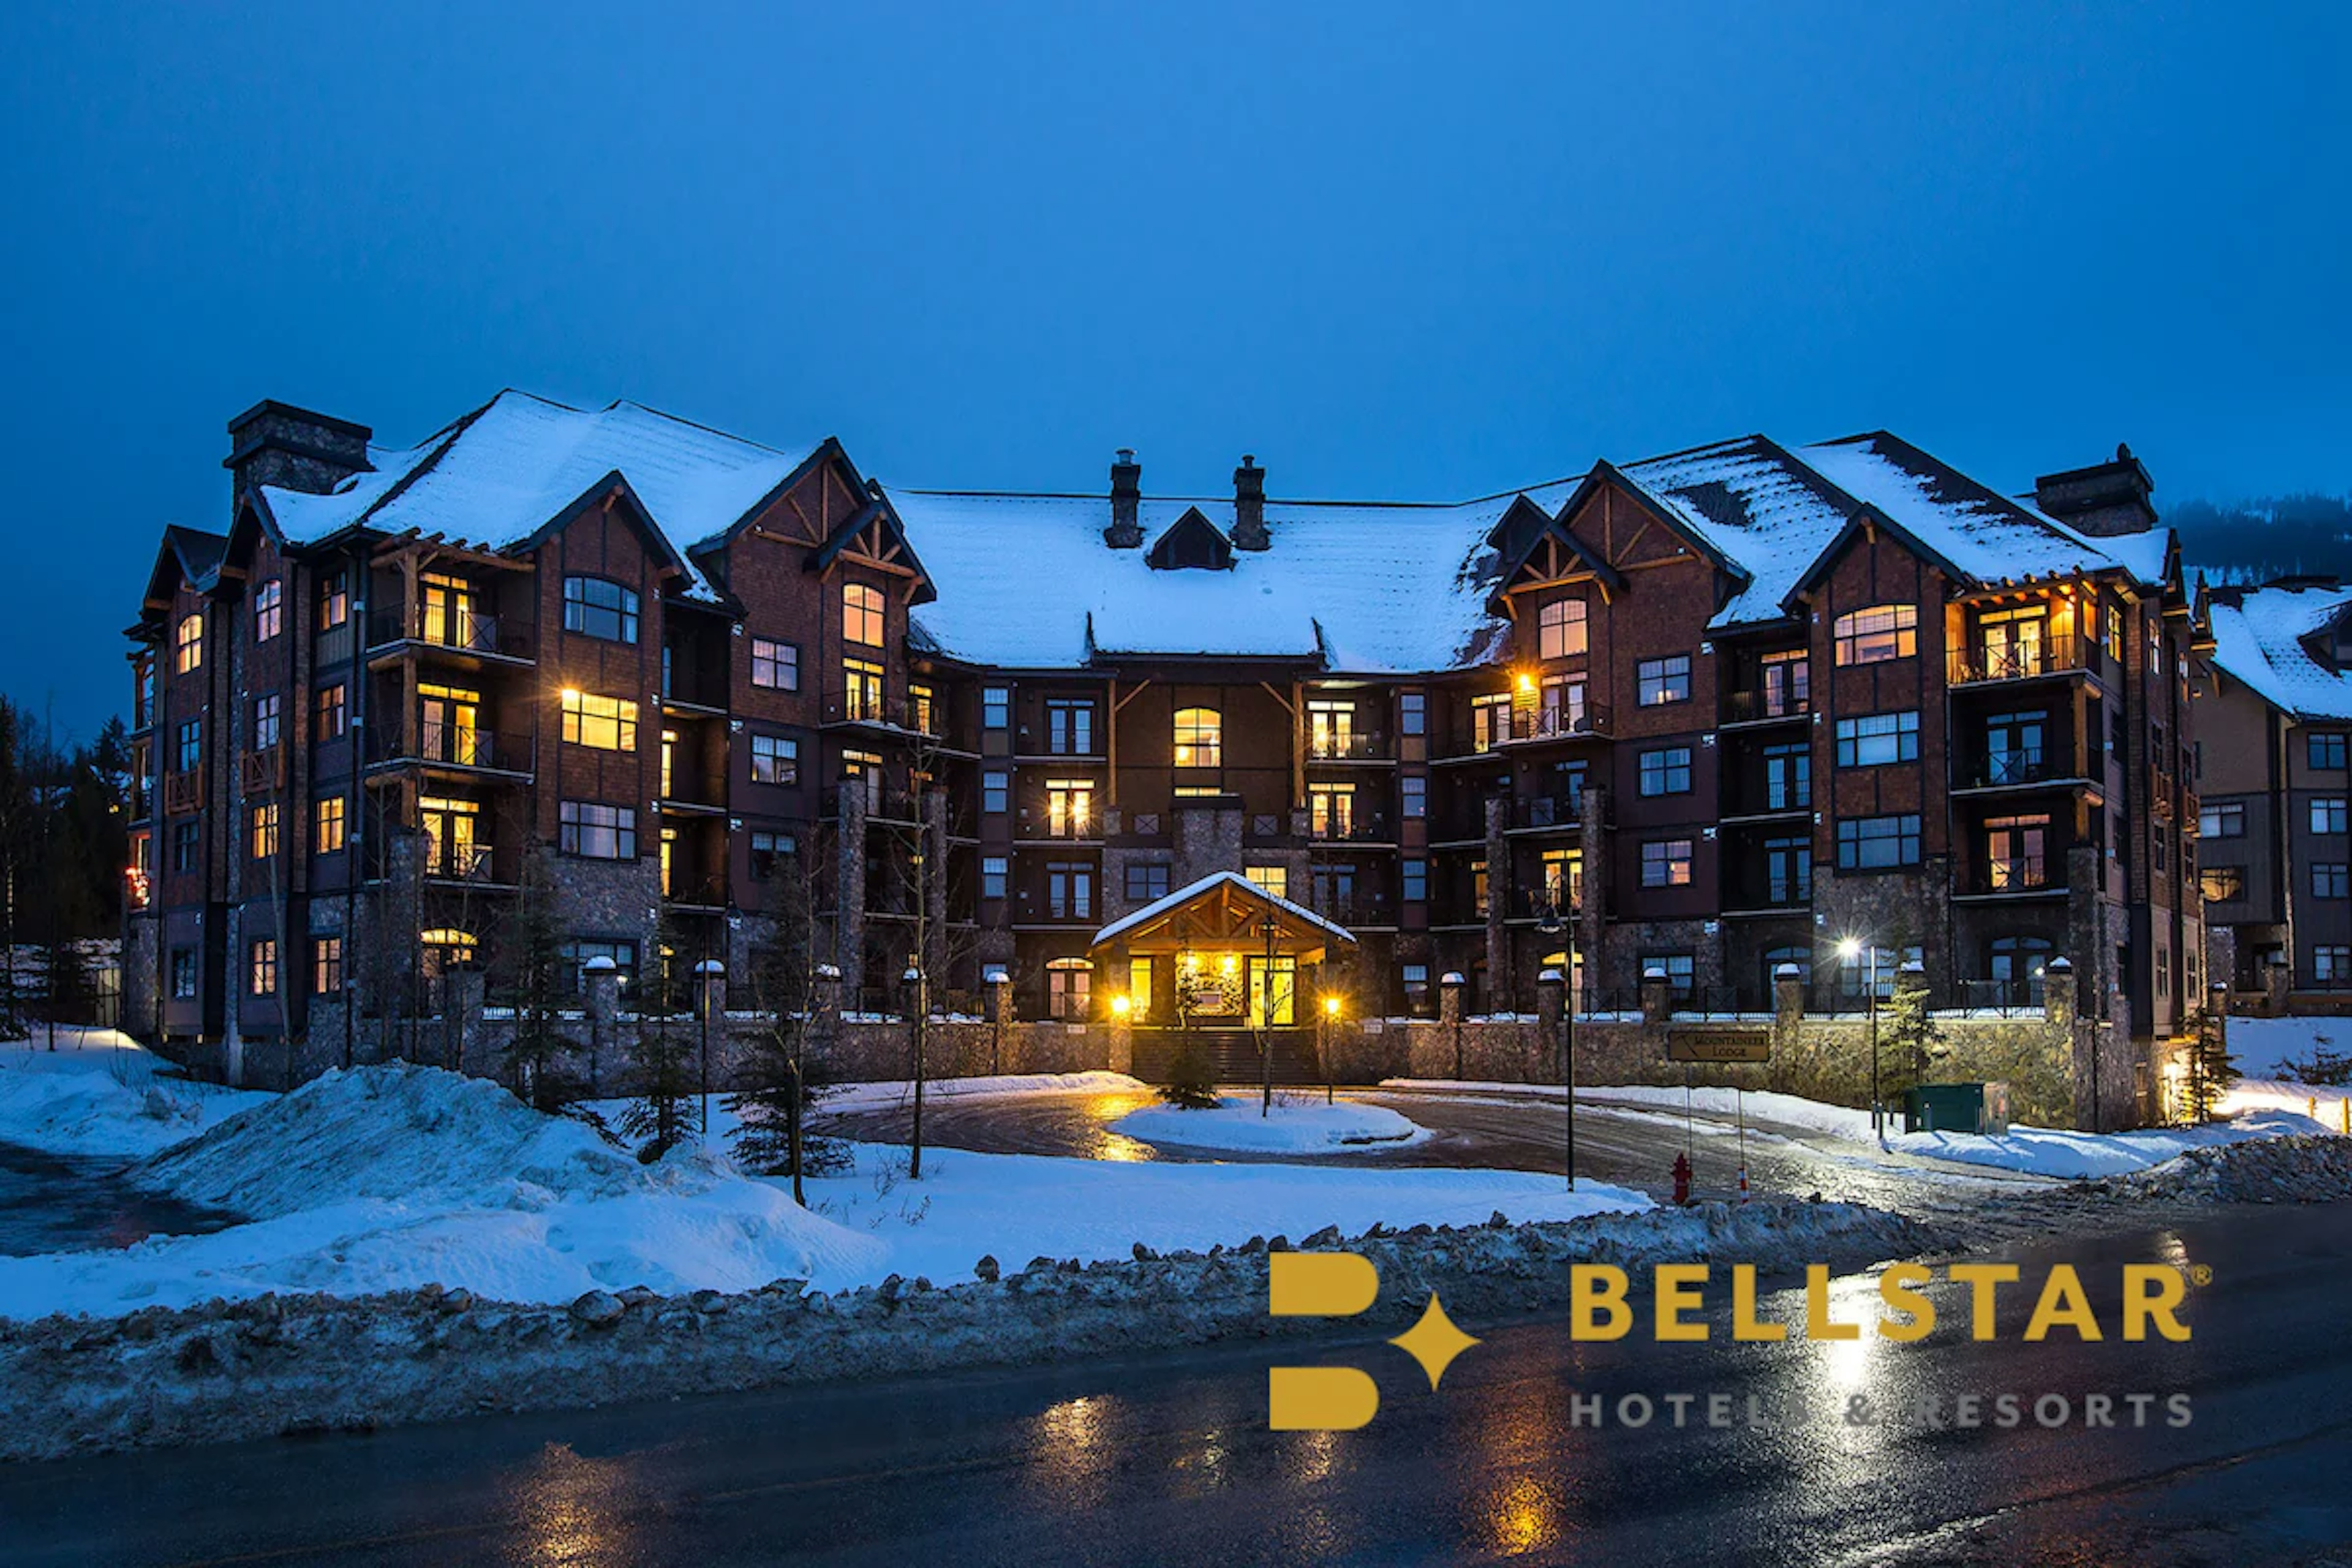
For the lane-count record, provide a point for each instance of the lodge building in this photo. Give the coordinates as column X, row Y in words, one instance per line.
column 1705, row 714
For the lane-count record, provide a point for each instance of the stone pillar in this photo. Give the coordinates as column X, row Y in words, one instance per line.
column 1502, row 995
column 2277, row 978
column 1657, row 997
column 2059, row 998
column 1551, row 985
column 469, row 991
column 849, row 891
column 1787, row 996
column 998, row 985
column 1119, row 1030
column 1449, row 997
column 935, row 889
column 1592, row 907
column 602, row 978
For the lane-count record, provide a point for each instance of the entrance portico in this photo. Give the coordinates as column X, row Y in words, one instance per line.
column 1221, row 951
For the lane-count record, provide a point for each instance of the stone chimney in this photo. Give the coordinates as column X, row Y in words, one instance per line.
column 1126, row 530
column 2104, row 500
column 277, row 444
column 1249, row 505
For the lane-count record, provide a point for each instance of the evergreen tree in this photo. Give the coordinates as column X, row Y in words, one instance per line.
column 537, row 1056
column 782, row 1074
column 1191, row 1085
column 1914, row 1042
column 18, row 840
column 2211, row 1068
column 662, row 1054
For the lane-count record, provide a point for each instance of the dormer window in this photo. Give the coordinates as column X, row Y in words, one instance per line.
column 1191, row 541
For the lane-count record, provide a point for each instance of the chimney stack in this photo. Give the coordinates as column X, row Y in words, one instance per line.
column 1249, row 505
column 1126, row 530
column 2103, row 500
column 294, row 449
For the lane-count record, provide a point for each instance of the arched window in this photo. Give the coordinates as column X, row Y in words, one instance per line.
column 1200, row 738
column 2016, row 963
column 1881, row 632
column 189, row 652
column 861, row 614
column 1559, row 629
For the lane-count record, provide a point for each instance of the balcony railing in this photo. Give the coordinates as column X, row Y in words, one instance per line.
column 2053, row 655
column 1550, row 811
column 452, row 746
column 2018, row 995
column 2017, row 768
column 476, row 863
column 2012, row 874
column 1355, row 746
column 1749, row 707
column 1361, row 827
column 184, row 791
column 263, row 770
column 882, row 709
column 1361, row 908
column 458, row 631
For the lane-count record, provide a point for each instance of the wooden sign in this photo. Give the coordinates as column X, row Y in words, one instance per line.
column 1719, row 1044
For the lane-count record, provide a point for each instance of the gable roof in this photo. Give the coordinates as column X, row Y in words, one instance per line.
column 501, row 474
column 1760, row 509
column 2259, row 637
column 1227, row 891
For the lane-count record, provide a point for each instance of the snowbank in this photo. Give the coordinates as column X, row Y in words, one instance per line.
column 1762, row 1105
column 1298, row 1126
column 2045, row 1151
column 98, row 1093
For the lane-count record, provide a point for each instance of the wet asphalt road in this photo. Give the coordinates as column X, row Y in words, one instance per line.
column 1168, row 1459
column 1618, row 1144
column 62, row 1203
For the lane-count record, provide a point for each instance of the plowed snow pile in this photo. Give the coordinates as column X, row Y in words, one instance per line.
column 387, row 1178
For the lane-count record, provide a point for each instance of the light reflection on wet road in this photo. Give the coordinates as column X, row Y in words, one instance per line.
column 1623, row 1145
column 1167, row 1458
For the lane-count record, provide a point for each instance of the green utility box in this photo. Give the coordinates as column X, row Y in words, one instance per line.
column 1955, row 1108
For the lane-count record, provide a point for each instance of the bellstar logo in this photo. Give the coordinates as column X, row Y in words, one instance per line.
column 1343, row 1398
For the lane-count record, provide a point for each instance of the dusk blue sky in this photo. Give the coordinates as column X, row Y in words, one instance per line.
column 1418, row 252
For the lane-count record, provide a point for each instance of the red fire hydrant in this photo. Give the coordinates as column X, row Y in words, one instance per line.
column 1681, row 1180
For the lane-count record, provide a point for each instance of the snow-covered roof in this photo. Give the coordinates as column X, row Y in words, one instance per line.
column 504, row 472
column 1191, row 890
column 2258, row 637
column 1758, row 508
column 1027, row 581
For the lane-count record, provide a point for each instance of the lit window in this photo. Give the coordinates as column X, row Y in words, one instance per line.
column 775, row 665
column 1331, row 810
column 775, row 760
column 1660, row 680
column 264, row 831
column 188, row 653
column 1667, row 863
column 328, row 724
column 326, row 964
column 268, row 610
column 1199, row 741
column 600, row 723
column 261, row 968
column 596, row 608
column 1559, row 629
column 861, row 689
column 1272, row 879
column 334, row 602
column 327, row 838
column 1069, row 807
column 861, row 614
column 1069, row 988
column 1879, row 633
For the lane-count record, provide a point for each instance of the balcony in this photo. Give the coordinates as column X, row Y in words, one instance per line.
column 1361, row 827
column 864, row 708
column 2019, row 769
column 1347, row 747
column 2059, row 654
column 475, row 865
column 1539, row 813
column 262, row 771
column 453, row 746
column 1763, row 707
column 2013, row 877
column 1359, row 908
column 184, row 791
column 458, row 631
column 1559, row 723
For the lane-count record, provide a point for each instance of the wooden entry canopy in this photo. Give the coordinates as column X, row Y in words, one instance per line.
column 1224, row 911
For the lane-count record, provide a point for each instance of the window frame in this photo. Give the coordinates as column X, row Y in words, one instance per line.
column 782, row 661
column 1853, row 643
column 1663, row 682
column 577, row 830
column 582, row 613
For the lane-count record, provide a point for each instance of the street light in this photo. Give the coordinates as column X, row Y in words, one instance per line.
column 1849, row 949
column 1271, row 928
column 1323, row 1046
column 1550, row 924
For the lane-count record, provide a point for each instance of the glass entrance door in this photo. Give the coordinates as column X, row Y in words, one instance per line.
column 1273, row 993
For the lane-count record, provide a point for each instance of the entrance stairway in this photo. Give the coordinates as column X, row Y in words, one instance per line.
column 1233, row 1055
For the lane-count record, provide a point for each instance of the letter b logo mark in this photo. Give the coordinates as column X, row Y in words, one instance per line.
column 1320, row 1398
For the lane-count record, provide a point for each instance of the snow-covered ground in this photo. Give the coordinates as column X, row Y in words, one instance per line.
column 2257, row 1112
column 1298, row 1124
column 396, row 1176
column 2263, row 1048
column 97, row 1093
column 889, row 1095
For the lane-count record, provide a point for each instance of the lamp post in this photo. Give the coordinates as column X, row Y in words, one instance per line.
column 914, row 978
column 1323, row 1045
column 1270, row 927
column 1850, row 948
